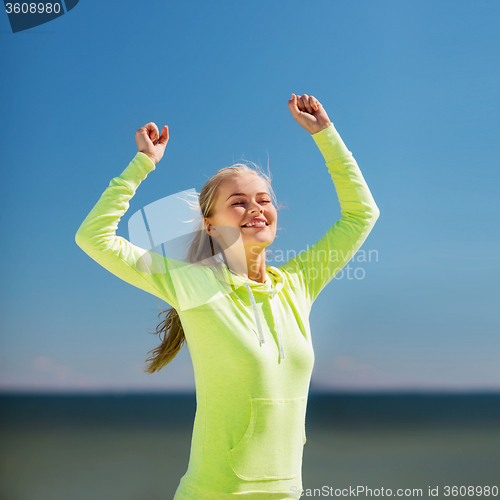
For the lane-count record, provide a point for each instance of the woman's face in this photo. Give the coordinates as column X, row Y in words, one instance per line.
column 239, row 200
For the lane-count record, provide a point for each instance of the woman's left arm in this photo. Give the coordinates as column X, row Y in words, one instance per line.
column 315, row 267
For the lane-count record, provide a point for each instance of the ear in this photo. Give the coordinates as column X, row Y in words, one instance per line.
column 207, row 225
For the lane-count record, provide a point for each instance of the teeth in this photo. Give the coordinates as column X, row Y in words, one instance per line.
column 260, row 223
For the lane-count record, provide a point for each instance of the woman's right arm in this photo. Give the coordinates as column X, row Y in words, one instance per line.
column 97, row 233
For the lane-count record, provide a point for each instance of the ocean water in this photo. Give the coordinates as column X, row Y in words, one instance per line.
column 136, row 447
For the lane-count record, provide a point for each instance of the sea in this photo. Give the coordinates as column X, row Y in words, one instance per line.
column 136, row 446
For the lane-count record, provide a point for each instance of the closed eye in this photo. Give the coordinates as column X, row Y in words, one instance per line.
column 241, row 202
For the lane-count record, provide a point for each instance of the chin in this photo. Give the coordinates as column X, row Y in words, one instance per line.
column 264, row 241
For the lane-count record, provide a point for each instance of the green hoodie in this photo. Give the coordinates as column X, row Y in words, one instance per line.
column 250, row 343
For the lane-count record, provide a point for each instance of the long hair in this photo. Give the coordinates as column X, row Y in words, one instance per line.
column 201, row 248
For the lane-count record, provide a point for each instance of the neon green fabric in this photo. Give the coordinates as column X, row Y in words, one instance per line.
column 250, row 343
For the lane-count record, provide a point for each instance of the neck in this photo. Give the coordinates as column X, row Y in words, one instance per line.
column 249, row 263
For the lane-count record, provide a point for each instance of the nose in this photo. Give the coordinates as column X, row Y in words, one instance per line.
column 257, row 208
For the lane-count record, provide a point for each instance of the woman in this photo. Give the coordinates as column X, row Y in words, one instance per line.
column 246, row 323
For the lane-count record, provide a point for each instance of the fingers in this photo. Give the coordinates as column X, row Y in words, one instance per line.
column 164, row 136
column 150, row 130
column 304, row 103
column 292, row 104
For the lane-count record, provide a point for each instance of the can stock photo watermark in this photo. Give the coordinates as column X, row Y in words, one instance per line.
column 26, row 15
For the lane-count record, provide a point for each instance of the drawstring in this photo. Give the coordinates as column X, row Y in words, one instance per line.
column 256, row 313
column 259, row 325
column 280, row 340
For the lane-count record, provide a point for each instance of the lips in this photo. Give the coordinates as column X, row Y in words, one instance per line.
column 255, row 220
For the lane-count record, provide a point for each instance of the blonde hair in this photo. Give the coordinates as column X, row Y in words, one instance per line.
column 202, row 247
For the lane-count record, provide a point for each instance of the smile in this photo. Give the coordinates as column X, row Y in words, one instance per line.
column 255, row 224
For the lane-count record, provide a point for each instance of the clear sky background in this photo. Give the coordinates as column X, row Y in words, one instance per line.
column 412, row 88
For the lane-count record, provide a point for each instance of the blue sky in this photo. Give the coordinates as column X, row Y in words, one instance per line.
column 412, row 88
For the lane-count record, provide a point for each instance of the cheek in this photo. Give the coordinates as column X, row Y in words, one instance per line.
column 232, row 216
column 273, row 214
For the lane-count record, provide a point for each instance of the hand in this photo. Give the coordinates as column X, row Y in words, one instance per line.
column 147, row 136
column 309, row 112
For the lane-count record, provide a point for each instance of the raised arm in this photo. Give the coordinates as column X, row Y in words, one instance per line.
column 97, row 233
column 315, row 267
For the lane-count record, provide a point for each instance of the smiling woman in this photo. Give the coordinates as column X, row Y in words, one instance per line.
column 249, row 208
column 246, row 323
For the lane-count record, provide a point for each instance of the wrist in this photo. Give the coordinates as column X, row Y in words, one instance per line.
column 151, row 157
column 320, row 127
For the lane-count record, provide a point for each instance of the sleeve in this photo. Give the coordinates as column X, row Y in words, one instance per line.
column 312, row 269
column 97, row 236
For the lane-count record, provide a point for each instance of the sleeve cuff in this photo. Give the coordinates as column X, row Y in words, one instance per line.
column 330, row 143
column 149, row 159
column 138, row 169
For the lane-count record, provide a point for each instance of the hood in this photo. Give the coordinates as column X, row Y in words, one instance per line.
column 271, row 287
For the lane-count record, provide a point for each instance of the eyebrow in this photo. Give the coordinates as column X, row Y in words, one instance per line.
column 243, row 194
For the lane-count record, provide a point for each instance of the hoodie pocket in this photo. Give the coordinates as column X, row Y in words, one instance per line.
column 272, row 445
